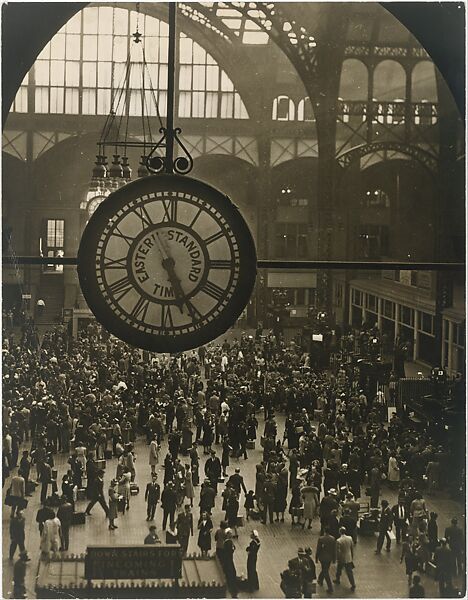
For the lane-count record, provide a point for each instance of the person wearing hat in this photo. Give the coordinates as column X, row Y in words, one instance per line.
column 291, row 583
column 309, row 574
column 185, row 528
column 213, row 470
column 385, row 525
column 17, row 533
column 252, row 553
column 327, row 505
column 228, row 562
column 169, row 504
column 152, row 537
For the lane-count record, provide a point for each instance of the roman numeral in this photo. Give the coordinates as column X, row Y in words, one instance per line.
column 220, row 264
column 120, row 288
column 119, row 234
column 195, row 218
column 140, row 309
column 141, row 212
column 170, row 210
column 166, row 317
column 214, row 237
column 213, row 290
column 119, row 263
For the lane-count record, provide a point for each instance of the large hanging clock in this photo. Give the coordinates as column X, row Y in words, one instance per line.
column 167, row 263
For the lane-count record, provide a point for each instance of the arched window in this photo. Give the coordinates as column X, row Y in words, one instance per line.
column 305, row 111
column 80, row 69
column 423, row 82
column 354, row 80
column 389, row 81
column 283, row 109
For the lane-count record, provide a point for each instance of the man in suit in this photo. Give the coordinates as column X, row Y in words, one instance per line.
column 269, row 490
column 237, row 482
column 385, row 525
column 96, row 494
column 213, row 470
column 456, row 541
column 17, row 534
column 344, row 557
column 400, row 519
column 45, row 477
column 327, row 505
column 65, row 516
column 445, row 564
column 152, row 495
column 169, row 504
column 348, row 522
column 184, row 528
column 25, row 469
column 326, row 555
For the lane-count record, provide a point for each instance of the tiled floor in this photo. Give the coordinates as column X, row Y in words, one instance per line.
column 376, row 576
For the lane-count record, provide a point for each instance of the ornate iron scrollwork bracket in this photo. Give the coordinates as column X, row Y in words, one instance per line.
column 159, row 164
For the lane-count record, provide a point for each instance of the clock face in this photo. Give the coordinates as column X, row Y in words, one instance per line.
column 167, row 263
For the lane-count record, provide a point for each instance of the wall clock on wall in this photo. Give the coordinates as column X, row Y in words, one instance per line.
column 167, row 263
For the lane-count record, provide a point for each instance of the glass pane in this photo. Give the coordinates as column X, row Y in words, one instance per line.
column 57, row 72
column 41, row 100
column 105, row 47
column 211, row 105
column 120, row 49
column 185, row 104
column 41, row 72
column 212, row 78
column 198, row 108
column 57, row 46
column 103, row 101
column 89, row 102
column 74, row 24
column 120, row 21
column 226, row 83
column 152, row 50
column 227, row 106
column 45, row 53
column 72, row 99
column 90, row 20
column 104, row 74
column 162, row 77
column 185, row 77
column 90, row 47
column 185, row 50
column 198, row 78
column 56, row 100
column 136, row 76
column 89, row 74
column 119, row 75
column 72, row 76
column 105, row 19
column 199, row 54
column 135, row 103
column 73, row 47
column 163, row 48
column 151, row 76
column 21, row 100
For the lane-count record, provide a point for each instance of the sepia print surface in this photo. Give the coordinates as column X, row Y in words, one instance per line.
column 317, row 447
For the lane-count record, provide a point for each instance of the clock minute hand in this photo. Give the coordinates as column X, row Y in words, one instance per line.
column 169, row 264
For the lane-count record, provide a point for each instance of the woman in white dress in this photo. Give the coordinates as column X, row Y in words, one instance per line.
column 124, row 487
column 189, row 490
column 154, row 454
column 50, row 537
column 393, row 471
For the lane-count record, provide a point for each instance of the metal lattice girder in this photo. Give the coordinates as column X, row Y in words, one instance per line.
column 350, row 156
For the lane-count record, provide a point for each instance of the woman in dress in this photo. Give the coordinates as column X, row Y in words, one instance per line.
column 252, row 552
column 393, row 473
column 189, row 491
column 205, row 527
column 296, row 502
column 310, row 499
column 154, row 454
column 50, row 537
column 225, row 455
column 113, row 504
column 208, row 436
column 228, row 562
column 281, row 493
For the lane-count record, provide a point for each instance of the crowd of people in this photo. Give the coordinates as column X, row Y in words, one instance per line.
column 93, row 398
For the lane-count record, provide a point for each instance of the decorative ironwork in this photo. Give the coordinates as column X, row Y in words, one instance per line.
column 350, row 156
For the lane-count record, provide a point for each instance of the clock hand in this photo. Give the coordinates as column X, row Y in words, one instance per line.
column 169, row 264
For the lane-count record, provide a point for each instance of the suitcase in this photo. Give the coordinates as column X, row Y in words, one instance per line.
column 81, row 494
column 108, row 454
column 431, row 569
column 240, row 521
column 121, row 504
column 251, row 444
column 101, row 464
column 78, row 518
column 30, row 487
column 367, row 527
column 134, row 489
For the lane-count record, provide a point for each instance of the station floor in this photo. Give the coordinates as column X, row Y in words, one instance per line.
column 377, row 576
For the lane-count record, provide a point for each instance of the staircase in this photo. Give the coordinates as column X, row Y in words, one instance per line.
column 51, row 291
